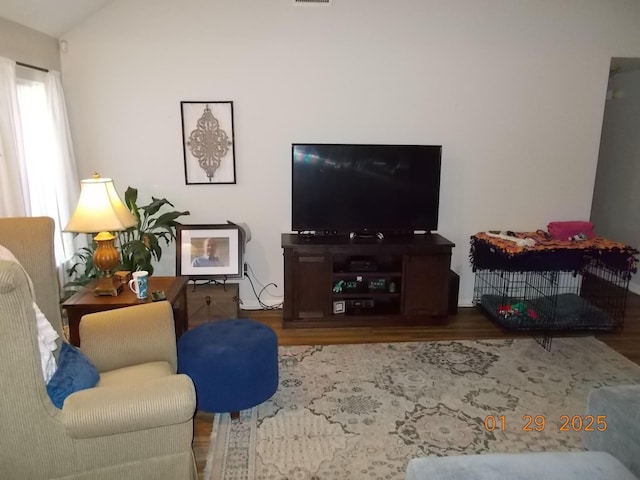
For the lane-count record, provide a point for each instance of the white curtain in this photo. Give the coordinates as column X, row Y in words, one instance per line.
column 14, row 194
column 41, row 175
column 63, row 165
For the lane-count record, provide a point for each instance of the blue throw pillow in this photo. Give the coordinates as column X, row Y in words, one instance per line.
column 75, row 372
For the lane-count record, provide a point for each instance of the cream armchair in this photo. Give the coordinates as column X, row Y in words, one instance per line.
column 137, row 423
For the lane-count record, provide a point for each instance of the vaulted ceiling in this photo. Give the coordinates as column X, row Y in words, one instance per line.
column 53, row 17
column 56, row 17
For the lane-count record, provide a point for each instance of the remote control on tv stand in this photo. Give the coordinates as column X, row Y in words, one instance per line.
column 366, row 236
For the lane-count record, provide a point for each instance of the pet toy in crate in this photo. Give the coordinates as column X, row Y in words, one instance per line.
column 517, row 311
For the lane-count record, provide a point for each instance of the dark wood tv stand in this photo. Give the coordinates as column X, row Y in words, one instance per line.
column 368, row 282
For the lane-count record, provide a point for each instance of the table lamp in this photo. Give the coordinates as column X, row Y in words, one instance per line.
column 100, row 209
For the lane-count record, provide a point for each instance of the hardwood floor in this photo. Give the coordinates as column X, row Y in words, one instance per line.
column 469, row 323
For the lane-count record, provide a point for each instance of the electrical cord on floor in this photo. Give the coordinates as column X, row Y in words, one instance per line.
column 263, row 306
column 248, row 270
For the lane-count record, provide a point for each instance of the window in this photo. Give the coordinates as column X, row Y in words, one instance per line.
column 46, row 170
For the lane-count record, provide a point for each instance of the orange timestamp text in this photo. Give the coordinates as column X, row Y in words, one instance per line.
column 538, row 423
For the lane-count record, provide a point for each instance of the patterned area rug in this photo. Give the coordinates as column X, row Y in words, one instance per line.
column 363, row 411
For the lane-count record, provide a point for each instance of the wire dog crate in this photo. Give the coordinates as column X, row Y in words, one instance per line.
column 554, row 285
column 592, row 299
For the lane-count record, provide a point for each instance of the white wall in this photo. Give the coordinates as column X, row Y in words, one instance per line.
column 616, row 195
column 514, row 91
column 25, row 45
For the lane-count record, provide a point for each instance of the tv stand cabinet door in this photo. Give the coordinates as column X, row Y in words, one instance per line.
column 426, row 285
column 307, row 285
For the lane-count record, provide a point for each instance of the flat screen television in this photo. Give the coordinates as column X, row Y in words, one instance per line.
column 365, row 189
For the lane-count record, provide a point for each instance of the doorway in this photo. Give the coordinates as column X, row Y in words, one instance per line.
column 616, row 195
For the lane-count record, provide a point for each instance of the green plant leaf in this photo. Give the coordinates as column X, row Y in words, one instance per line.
column 82, row 270
column 167, row 222
column 131, row 199
column 155, row 205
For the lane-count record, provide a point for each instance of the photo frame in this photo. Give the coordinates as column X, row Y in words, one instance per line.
column 208, row 143
column 210, row 252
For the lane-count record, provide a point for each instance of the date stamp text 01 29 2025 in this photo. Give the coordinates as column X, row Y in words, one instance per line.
column 538, row 423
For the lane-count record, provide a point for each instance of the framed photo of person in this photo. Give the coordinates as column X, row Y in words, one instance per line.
column 209, row 251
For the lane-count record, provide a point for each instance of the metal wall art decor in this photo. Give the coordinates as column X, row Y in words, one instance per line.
column 209, row 251
column 207, row 142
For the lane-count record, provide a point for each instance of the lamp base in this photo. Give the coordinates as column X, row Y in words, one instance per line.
column 107, row 286
column 106, row 258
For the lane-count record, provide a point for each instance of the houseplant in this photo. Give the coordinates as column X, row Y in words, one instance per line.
column 139, row 245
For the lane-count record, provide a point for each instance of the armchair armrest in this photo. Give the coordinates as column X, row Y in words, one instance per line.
column 621, row 438
column 101, row 411
column 129, row 336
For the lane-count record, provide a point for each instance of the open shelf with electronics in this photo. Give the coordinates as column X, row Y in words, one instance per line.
column 366, row 285
column 335, row 280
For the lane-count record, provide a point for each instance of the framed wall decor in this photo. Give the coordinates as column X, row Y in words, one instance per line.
column 209, row 251
column 208, row 143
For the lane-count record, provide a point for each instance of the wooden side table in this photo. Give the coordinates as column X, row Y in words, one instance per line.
column 84, row 302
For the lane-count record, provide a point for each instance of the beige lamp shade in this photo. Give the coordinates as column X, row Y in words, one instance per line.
column 99, row 209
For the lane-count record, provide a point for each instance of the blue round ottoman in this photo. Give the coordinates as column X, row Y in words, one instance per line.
column 233, row 364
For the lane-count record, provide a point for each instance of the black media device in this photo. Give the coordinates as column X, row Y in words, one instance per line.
column 366, row 189
column 362, row 265
column 363, row 303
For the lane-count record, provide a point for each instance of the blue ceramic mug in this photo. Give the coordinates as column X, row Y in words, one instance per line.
column 139, row 284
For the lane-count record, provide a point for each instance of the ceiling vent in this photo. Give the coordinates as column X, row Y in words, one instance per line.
column 315, row 3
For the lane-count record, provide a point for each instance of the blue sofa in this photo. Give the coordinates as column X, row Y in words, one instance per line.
column 613, row 454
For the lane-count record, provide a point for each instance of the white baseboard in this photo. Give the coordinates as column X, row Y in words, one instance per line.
column 254, row 305
column 462, row 302
column 465, row 302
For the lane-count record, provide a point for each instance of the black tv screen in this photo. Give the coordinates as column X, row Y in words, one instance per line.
column 344, row 188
